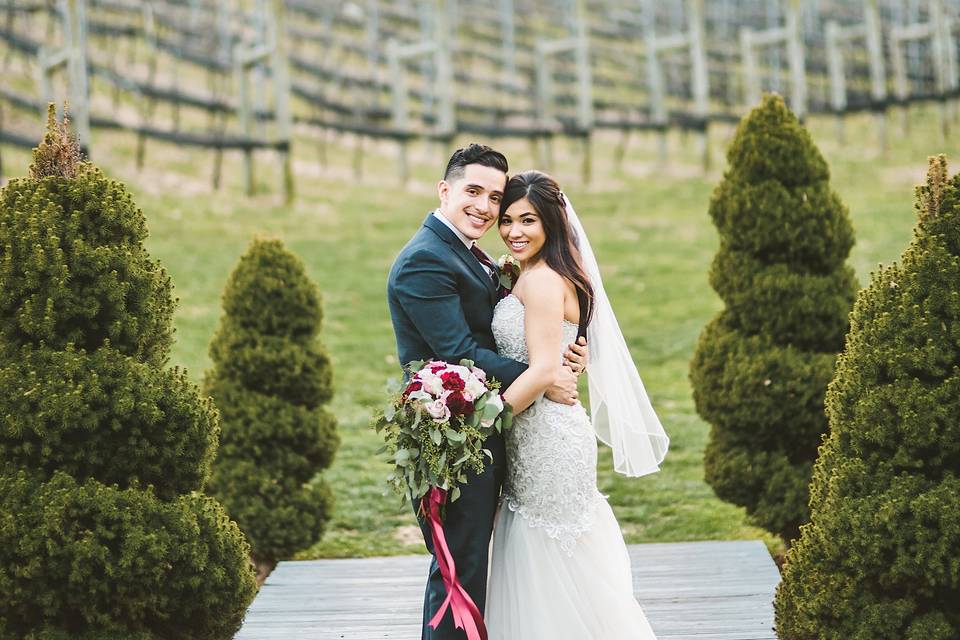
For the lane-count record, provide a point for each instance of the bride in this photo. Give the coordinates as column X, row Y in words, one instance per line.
column 559, row 567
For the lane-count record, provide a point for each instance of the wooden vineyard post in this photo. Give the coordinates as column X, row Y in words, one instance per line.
column 878, row 73
column 73, row 57
column 836, row 37
column 751, row 80
column 901, row 89
column 944, row 62
column 691, row 41
column 943, row 51
column 372, row 33
column 508, row 37
column 240, row 62
column 795, row 56
column 148, row 105
column 244, row 59
column 281, row 101
column 788, row 35
column 443, row 86
column 545, row 49
column 701, row 80
column 585, row 116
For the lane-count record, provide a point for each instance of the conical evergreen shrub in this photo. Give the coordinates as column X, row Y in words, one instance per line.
column 271, row 378
column 879, row 559
column 103, row 449
column 761, row 367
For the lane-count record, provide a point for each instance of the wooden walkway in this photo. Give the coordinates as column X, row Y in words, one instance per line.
column 689, row 591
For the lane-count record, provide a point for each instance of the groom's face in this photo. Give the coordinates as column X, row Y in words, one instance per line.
column 472, row 201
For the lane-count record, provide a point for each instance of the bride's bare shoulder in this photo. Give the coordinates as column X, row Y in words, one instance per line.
column 541, row 278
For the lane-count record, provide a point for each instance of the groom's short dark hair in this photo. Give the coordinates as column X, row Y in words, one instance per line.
column 474, row 154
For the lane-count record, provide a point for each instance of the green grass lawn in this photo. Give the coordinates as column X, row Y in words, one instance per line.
column 649, row 227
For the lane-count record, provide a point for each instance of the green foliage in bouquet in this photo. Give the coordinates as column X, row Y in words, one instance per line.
column 103, row 449
column 270, row 379
column 438, row 449
column 761, row 367
column 879, row 557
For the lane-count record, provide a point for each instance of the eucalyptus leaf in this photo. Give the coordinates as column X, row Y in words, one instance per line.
column 418, row 417
column 436, row 436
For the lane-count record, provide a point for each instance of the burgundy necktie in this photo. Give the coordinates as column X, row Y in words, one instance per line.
column 485, row 261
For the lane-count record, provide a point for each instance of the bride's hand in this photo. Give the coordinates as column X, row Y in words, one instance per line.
column 577, row 356
column 564, row 389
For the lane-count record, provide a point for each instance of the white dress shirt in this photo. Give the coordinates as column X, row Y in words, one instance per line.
column 467, row 242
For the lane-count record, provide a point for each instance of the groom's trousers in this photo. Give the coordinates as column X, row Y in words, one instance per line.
column 467, row 527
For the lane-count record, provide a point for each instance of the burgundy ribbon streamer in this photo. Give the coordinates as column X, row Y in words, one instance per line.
column 466, row 615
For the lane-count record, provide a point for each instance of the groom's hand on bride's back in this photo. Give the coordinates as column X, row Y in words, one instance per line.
column 577, row 356
column 564, row 389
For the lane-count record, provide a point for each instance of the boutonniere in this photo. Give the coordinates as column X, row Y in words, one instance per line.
column 509, row 268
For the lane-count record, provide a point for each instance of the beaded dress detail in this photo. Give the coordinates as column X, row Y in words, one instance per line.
column 551, row 450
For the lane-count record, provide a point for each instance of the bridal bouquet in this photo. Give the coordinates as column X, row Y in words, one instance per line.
column 434, row 430
column 435, row 427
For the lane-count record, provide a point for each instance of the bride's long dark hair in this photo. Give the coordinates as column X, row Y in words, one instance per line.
column 560, row 248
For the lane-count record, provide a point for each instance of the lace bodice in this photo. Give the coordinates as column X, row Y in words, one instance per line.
column 551, row 450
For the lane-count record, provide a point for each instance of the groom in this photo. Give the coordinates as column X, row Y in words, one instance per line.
column 441, row 293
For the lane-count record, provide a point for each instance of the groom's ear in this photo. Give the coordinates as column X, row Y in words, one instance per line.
column 443, row 191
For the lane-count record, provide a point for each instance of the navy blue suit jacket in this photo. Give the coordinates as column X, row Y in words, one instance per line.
column 441, row 303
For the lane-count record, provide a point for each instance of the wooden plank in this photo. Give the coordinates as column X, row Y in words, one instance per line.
column 689, row 591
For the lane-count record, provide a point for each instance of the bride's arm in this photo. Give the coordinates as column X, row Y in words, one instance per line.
column 543, row 306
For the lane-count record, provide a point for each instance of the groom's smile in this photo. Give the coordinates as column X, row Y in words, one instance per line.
column 471, row 202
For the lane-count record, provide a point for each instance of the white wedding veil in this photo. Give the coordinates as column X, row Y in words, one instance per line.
column 620, row 410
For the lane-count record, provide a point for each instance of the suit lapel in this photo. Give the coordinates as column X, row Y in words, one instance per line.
column 462, row 252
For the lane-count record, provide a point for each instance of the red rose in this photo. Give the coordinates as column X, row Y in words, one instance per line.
column 439, row 366
column 458, row 405
column 416, row 385
column 452, row 381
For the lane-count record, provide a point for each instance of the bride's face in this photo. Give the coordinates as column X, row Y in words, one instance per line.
column 522, row 230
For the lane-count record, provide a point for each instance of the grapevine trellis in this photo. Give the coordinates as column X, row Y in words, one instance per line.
column 407, row 70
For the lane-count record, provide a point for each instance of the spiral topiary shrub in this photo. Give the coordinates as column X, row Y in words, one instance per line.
column 761, row 366
column 879, row 557
column 270, row 379
column 103, row 450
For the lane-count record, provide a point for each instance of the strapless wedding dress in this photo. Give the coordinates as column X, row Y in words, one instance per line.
column 559, row 567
